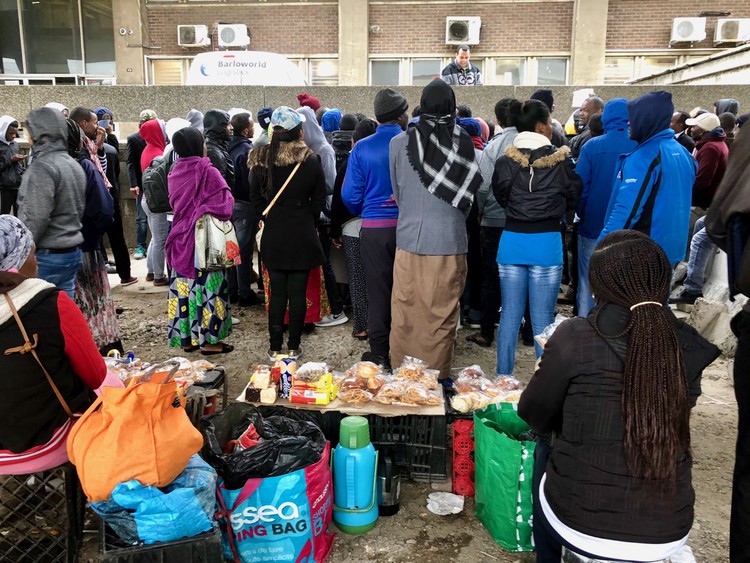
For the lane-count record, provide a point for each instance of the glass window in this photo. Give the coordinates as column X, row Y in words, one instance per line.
column 10, row 39
column 552, row 72
column 618, row 70
column 424, row 71
column 98, row 36
column 53, row 37
column 384, row 73
column 324, row 72
column 167, row 71
column 510, row 72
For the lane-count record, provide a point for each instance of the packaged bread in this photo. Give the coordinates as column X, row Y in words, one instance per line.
column 405, row 393
column 355, row 396
column 268, row 395
column 261, row 377
column 365, row 370
column 469, row 402
column 311, row 371
column 353, row 382
column 415, row 371
column 323, row 383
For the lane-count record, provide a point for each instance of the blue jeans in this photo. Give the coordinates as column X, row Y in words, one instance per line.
column 585, row 299
column 245, row 225
column 60, row 269
column 701, row 250
column 141, row 222
column 540, row 285
column 156, row 253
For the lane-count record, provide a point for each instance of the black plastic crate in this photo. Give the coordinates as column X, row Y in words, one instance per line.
column 41, row 516
column 201, row 394
column 204, row 548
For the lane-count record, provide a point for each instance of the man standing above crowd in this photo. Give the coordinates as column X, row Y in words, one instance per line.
column 368, row 193
column 461, row 72
column 651, row 193
column 590, row 107
column 136, row 145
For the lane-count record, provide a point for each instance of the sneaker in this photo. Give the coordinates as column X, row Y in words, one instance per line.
column 111, row 268
column 295, row 354
column 272, row 355
column 685, row 297
column 333, row 320
column 140, row 252
column 130, row 281
column 235, row 321
column 473, row 324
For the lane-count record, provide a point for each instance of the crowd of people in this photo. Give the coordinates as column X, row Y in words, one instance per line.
column 444, row 219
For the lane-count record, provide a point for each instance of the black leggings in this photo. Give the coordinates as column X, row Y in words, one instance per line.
column 287, row 287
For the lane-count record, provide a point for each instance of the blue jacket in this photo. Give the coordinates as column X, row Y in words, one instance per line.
column 367, row 190
column 596, row 167
column 654, row 183
column 238, row 148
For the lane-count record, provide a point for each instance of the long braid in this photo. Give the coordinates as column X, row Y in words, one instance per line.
column 628, row 268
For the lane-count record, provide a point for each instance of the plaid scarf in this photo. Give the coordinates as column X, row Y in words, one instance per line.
column 442, row 153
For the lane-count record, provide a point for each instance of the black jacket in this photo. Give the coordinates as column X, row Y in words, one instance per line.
column 686, row 141
column 136, row 144
column 238, row 149
column 576, row 393
column 536, row 188
column 215, row 126
column 290, row 239
column 10, row 172
column 340, row 213
column 577, row 142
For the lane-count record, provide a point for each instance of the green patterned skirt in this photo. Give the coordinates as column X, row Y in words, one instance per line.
column 199, row 311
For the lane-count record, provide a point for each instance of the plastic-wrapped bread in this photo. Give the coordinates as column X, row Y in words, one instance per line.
column 268, row 395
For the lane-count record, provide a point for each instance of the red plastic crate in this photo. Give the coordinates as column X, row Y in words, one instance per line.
column 463, row 485
column 463, row 427
column 463, row 457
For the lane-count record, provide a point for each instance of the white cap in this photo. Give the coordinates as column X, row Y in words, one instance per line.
column 706, row 121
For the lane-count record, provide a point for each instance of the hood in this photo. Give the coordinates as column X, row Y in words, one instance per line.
column 717, row 135
column 314, row 137
column 331, row 120
column 238, row 140
column 342, row 140
column 49, row 131
column 288, row 153
column 153, row 134
column 615, row 116
column 215, row 124
column 650, row 114
column 727, row 105
column 195, row 118
column 5, row 121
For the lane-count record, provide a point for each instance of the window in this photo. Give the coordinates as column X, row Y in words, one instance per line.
column 98, row 31
column 384, row 73
column 169, row 71
column 510, row 72
column 11, row 61
column 424, row 71
column 618, row 70
column 53, row 37
column 324, row 72
column 552, row 72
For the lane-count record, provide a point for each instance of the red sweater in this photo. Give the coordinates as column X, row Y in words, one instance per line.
column 712, row 153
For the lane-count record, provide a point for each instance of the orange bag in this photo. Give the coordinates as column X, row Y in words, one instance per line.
column 141, row 432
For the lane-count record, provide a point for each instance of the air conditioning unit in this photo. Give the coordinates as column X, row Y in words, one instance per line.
column 234, row 35
column 688, row 30
column 193, row 36
column 462, row 31
column 732, row 31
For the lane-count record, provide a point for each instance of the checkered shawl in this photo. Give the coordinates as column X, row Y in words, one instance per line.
column 442, row 153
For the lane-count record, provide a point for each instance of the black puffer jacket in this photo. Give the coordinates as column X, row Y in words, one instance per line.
column 536, row 188
column 577, row 394
column 217, row 142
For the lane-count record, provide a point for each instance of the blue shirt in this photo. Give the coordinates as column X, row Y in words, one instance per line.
column 530, row 249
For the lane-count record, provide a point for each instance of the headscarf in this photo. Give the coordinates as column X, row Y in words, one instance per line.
column 195, row 118
column 188, row 142
column 441, row 152
column 16, row 242
column 75, row 146
column 153, row 134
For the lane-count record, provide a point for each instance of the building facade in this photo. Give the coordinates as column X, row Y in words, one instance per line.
column 358, row 42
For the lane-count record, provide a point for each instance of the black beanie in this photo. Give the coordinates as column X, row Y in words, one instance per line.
column 545, row 96
column 389, row 105
column 348, row 122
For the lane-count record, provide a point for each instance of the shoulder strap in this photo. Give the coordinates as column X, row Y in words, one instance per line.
column 29, row 347
column 273, row 201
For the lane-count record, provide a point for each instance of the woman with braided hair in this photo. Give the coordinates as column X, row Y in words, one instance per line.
column 615, row 391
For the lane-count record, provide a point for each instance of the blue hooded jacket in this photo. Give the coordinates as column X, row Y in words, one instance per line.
column 331, row 120
column 597, row 164
column 654, row 183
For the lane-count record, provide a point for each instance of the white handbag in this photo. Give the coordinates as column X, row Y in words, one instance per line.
column 216, row 246
column 259, row 234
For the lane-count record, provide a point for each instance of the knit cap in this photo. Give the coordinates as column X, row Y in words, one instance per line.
column 264, row 117
column 306, row 99
column 545, row 96
column 389, row 105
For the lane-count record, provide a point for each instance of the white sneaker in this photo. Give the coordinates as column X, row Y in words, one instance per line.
column 235, row 321
column 333, row 320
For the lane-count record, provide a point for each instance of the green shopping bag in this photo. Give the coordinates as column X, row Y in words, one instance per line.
column 504, row 468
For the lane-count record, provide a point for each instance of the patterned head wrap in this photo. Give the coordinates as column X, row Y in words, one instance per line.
column 15, row 243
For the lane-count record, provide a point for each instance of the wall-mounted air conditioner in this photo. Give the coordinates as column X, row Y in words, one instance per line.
column 733, row 30
column 193, row 36
column 688, row 30
column 462, row 31
column 234, row 35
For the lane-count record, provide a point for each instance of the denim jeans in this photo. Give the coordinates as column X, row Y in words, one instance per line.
column 60, row 269
column 141, row 222
column 584, row 298
column 245, row 225
column 156, row 254
column 701, row 250
column 537, row 284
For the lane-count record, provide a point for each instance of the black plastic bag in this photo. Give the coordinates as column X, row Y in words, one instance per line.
column 288, row 444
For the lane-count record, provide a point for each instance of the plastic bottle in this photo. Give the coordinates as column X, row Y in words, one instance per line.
column 355, row 509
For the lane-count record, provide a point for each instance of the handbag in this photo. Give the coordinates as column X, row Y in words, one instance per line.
column 29, row 347
column 216, row 245
column 140, row 432
column 259, row 234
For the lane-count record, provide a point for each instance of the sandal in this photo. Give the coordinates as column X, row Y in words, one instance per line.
column 479, row 339
column 190, row 349
column 225, row 349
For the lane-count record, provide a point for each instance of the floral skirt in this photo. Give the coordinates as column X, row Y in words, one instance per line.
column 318, row 305
column 199, row 311
column 94, row 299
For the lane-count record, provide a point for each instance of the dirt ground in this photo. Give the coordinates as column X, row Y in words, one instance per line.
column 415, row 534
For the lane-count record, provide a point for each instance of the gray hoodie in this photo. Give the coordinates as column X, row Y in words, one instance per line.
column 493, row 215
column 52, row 195
column 316, row 141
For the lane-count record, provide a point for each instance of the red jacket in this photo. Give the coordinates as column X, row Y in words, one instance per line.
column 712, row 153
